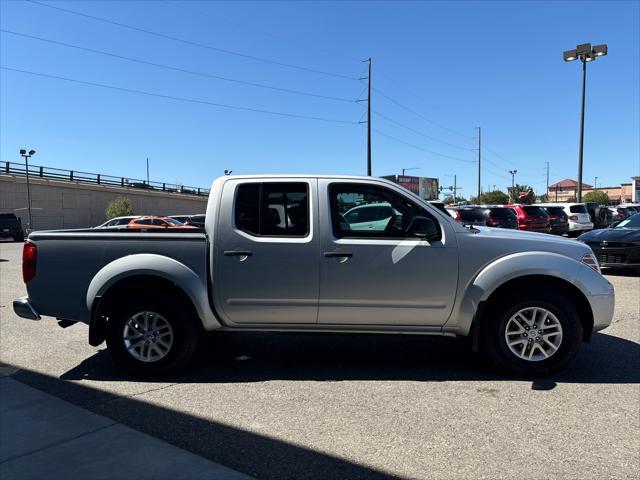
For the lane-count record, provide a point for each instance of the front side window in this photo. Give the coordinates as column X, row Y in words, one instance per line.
column 365, row 211
column 145, row 221
column 273, row 209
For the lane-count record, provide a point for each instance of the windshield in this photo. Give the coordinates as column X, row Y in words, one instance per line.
column 471, row 215
column 631, row 222
column 502, row 213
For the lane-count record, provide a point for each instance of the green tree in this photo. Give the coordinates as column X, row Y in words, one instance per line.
column 529, row 197
column 495, row 197
column 597, row 196
column 544, row 198
column 450, row 200
column 120, row 207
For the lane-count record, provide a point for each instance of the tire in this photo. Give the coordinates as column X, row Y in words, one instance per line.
column 181, row 336
column 497, row 326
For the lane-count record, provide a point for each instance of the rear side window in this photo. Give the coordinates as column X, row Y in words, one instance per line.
column 121, row 221
column 534, row 211
column 145, row 221
column 273, row 209
column 578, row 209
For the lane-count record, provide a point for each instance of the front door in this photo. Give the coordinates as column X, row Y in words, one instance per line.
column 266, row 252
column 372, row 271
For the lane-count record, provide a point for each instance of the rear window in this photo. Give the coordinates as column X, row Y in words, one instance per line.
column 471, row 215
column 7, row 216
column 273, row 209
column 578, row 209
column 502, row 212
column 555, row 210
column 534, row 211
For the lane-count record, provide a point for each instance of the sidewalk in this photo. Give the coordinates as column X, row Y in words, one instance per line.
column 42, row 436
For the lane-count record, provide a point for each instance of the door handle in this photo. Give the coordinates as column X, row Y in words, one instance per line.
column 237, row 253
column 338, row 254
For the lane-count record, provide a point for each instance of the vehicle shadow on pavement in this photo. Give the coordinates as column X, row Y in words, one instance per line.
column 244, row 451
column 257, row 357
column 621, row 272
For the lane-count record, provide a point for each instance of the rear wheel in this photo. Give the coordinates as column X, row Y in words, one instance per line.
column 535, row 332
column 152, row 335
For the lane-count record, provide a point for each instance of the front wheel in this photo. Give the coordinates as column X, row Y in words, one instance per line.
column 152, row 335
column 536, row 332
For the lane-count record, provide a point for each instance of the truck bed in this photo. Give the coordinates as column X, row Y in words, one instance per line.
column 69, row 259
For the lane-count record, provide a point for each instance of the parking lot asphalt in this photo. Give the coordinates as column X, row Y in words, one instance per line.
column 356, row 406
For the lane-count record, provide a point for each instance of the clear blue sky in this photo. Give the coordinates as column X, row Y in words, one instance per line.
column 458, row 65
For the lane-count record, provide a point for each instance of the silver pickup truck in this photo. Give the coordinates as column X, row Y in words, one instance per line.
column 319, row 254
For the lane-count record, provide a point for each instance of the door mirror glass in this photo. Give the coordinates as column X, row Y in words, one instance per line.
column 423, row 228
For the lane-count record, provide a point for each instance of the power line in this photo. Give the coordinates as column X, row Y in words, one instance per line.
column 418, row 131
column 181, row 99
column 417, row 147
column 178, row 69
column 193, row 43
column 382, row 94
column 227, row 21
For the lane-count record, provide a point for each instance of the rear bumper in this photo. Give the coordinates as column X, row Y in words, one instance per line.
column 580, row 226
column 23, row 308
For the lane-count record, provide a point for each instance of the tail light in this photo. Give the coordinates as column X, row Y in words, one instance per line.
column 457, row 218
column 29, row 260
column 492, row 222
column 573, row 217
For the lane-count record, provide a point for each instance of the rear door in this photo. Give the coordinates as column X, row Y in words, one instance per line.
column 266, row 252
column 380, row 275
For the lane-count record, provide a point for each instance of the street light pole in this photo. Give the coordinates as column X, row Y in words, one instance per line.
column 26, row 156
column 580, row 149
column 513, row 184
column 585, row 53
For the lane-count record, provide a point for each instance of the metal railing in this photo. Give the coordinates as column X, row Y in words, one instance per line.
column 39, row 171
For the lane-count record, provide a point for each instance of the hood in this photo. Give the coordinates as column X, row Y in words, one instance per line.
column 612, row 235
column 497, row 242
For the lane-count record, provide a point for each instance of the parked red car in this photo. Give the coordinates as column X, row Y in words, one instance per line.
column 532, row 218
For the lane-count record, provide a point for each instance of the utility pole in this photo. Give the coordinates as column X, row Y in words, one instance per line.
column 513, row 184
column 455, row 187
column 547, row 181
column 369, row 122
column 147, row 171
column 595, row 183
column 479, row 157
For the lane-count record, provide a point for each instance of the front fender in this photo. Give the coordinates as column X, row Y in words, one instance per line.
column 159, row 266
column 491, row 276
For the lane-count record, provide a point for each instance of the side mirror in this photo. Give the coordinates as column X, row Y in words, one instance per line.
column 423, row 228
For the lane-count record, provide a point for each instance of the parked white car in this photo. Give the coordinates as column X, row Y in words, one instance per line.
column 117, row 221
column 579, row 219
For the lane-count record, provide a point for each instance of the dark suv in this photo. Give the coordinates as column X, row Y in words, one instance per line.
column 501, row 217
column 11, row 227
column 468, row 215
column 558, row 220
